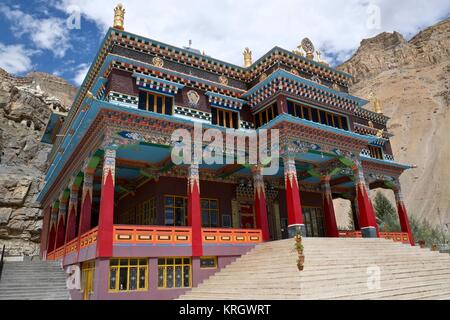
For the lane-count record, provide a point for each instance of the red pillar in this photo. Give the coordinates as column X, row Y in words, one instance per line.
column 403, row 216
column 61, row 223
column 86, row 203
column 367, row 220
column 331, row 229
column 72, row 214
column 53, row 220
column 106, row 216
column 47, row 212
column 260, row 203
column 194, row 210
column 294, row 206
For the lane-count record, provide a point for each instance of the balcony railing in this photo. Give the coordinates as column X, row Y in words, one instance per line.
column 152, row 235
column 160, row 235
column 395, row 236
column 231, row 236
column 89, row 238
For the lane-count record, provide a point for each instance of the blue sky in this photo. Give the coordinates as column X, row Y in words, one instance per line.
column 46, row 36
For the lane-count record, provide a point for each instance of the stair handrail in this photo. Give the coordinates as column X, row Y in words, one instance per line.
column 1, row 261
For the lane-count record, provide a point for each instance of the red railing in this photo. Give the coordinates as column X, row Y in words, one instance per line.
column 160, row 235
column 395, row 236
column 89, row 238
column 231, row 236
column 59, row 253
column 72, row 246
column 152, row 235
column 350, row 234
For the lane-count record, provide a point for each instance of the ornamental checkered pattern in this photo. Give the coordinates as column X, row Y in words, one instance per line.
column 192, row 113
column 223, row 101
column 247, row 125
column 370, row 115
column 156, row 85
column 122, row 98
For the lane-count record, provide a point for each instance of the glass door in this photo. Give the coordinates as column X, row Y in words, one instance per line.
column 313, row 219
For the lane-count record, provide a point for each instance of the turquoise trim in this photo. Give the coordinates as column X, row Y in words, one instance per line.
column 290, row 118
column 387, row 162
column 218, row 95
column 283, row 73
column 140, row 75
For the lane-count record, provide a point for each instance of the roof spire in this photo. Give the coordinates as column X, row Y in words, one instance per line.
column 247, row 58
column 375, row 103
column 119, row 17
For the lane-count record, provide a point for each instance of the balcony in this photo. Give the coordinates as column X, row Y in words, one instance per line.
column 159, row 241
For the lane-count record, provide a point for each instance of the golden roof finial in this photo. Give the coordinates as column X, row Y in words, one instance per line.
column 119, row 17
column 376, row 104
column 247, row 58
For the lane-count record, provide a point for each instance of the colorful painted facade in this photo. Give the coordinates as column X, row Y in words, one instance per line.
column 140, row 227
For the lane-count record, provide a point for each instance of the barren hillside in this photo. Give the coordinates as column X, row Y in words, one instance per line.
column 412, row 80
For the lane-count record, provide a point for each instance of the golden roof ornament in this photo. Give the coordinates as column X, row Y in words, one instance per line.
column 319, row 59
column 376, row 104
column 247, row 58
column 119, row 17
column 308, row 46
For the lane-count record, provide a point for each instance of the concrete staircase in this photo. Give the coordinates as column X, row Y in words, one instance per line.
column 334, row 269
column 33, row 280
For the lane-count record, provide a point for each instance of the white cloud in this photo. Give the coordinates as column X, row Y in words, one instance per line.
column 48, row 33
column 80, row 73
column 224, row 28
column 15, row 58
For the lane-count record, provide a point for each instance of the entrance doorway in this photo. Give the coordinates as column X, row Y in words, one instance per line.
column 247, row 216
column 313, row 219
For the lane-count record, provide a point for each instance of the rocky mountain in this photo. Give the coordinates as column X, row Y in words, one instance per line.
column 412, row 80
column 25, row 106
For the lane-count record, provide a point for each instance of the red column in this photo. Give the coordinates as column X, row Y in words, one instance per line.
column 331, row 229
column 53, row 220
column 260, row 203
column 86, row 203
column 403, row 215
column 61, row 223
column 194, row 210
column 45, row 232
column 106, row 216
column 294, row 206
column 367, row 220
column 72, row 216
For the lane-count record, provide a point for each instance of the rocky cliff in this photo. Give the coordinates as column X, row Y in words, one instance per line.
column 412, row 80
column 25, row 106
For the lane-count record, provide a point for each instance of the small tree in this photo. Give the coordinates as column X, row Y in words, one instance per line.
column 386, row 214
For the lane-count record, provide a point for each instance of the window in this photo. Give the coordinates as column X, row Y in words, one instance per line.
column 175, row 211
column 226, row 221
column 266, row 115
column 224, row 118
column 208, row 262
column 174, row 273
column 142, row 214
column 155, row 102
column 210, row 213
column 317, row 115
column 128, row 275
column 146, row 213
column 376, row 152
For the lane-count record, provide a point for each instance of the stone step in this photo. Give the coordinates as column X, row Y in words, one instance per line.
column 334, row 269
